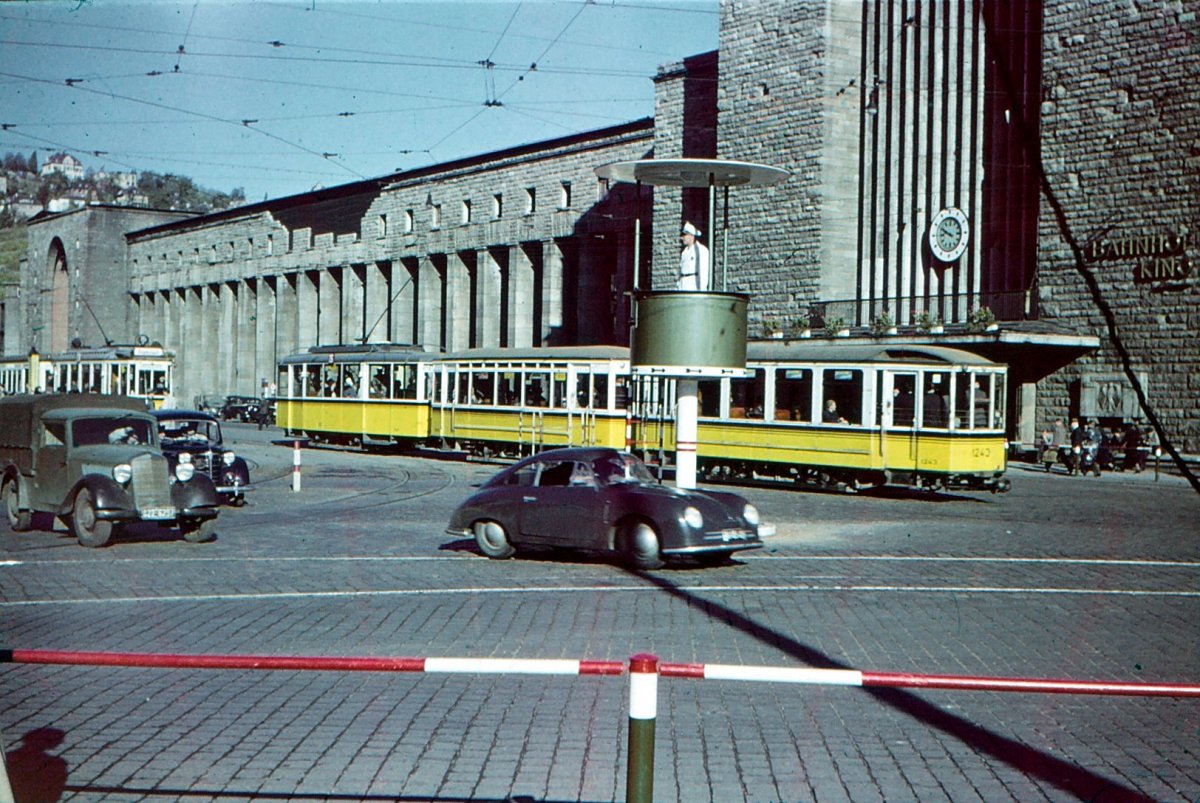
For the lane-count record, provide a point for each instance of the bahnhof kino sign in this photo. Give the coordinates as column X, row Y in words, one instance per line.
column 1155, row 257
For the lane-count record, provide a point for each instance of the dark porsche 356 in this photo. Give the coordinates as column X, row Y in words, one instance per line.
column 606, row 500
column 94, row 462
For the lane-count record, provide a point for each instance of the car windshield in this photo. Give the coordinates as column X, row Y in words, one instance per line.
column 92, row 431
column 622, row 468
column 190, row 430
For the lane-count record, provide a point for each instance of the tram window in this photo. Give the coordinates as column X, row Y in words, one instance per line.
column 404, row 382
column 903, row 400
column 621, row 401
column 844, row 387
column 482, row 388
column 582, row 390
column 350, row 381
column 708, row 394
column 793, row 394
column 537, row 390
column 378, row 385
column 746, row 396
column 509, row 391
column 935, row 409
column 600, row 391
column 329, row 381
column 462, row 388
column 972, row 400
column 152, row 381
column 998, row 401
column 558, row 389
column 89, row 378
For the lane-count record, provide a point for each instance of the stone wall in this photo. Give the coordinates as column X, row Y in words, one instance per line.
column 1120, row 127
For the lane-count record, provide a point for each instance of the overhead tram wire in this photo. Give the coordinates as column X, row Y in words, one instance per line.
column 247, row 123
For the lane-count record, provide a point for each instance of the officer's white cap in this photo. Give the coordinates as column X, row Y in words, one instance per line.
column 688, row 228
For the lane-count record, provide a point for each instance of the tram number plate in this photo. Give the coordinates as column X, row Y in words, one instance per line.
column 981, row 451
column 158, row 513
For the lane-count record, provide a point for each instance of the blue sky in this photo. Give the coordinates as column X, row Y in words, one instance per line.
column 278, row 97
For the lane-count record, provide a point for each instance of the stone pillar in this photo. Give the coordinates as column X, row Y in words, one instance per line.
column 287, row 313
column 552, row 290
column 457, row 295
column 405, row 290
column 308, row 296
column 329, row 307
column 353, row 303
column 431, row 300
column 520, row 298
column 377, row 322
column 264, row 330
column 489, row 298
column 225, row 334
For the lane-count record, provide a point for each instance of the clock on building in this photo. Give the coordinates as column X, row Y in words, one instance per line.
column 948, row 234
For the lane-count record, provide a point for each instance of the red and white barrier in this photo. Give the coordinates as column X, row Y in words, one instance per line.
column 854, row 677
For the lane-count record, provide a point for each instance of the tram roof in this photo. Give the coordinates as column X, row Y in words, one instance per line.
column 825, row 351
column 360, row 352
column 538, row 354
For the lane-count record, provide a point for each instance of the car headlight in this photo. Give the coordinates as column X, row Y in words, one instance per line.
column 229, row 457
column 184, row 471
column 693, row 518
column 122, row 473
column 750, row 514
column 185, row 457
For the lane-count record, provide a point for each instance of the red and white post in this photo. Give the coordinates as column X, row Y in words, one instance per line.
column 643, row 709
column 296, row 466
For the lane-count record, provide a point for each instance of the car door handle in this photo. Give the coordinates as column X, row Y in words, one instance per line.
column 529, row 498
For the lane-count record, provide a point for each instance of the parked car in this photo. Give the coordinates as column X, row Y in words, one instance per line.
column 240, row 408
column 208, row 403
column 94, row 462
column 607, row 500
column 190, row 436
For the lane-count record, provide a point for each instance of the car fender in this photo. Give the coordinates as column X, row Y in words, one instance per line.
column 198, row 492
column 662, row 514
column 108, row 494
column 12, row 472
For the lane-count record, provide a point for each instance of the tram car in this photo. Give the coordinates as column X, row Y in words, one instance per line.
column 841, row 416
column 144, row 372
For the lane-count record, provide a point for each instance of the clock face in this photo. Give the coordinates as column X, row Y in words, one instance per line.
column 948, row 234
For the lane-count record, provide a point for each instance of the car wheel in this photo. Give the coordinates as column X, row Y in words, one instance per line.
column 492, row 540
column 198, row 531
column 89, row 530
column 18, row 519
column 639, row 546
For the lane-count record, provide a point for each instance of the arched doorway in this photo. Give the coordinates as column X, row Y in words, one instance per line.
column 60, row 283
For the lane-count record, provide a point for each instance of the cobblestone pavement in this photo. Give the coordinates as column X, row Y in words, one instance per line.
column 1085, row 578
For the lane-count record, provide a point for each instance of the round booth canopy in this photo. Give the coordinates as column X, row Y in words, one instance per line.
column 693, row 173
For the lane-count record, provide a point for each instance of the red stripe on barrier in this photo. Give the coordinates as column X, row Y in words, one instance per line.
column 311, row 663
column 681, row 670
column 601, row 668
column 1048, row 685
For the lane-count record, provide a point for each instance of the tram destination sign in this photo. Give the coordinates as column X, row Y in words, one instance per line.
column 1155, row 257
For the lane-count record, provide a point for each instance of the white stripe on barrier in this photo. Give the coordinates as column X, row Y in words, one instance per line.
column 780, row 674
column 525, row 666
column 643, row 695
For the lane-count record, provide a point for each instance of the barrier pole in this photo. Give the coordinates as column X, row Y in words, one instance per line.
column 296, row 466
column 643, row 708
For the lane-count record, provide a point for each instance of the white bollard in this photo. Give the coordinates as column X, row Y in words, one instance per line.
column 686, row 432
column 296, row 467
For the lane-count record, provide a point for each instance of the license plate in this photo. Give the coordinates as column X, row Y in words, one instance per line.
column 734, row 535
column 158, row 513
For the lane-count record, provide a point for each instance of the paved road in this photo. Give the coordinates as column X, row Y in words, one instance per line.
column 1064, row 577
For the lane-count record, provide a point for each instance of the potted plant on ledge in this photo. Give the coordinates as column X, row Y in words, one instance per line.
column 770, row 329
column 801, row 327
column 930, row 322
column 883, row 325
column 836, row 327
column 982, row 319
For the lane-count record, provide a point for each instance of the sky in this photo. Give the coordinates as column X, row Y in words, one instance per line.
column 277, row 98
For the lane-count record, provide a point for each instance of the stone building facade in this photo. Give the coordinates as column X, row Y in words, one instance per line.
column 515, row 248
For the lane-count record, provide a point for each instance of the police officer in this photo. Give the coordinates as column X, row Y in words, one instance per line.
column 693, row 261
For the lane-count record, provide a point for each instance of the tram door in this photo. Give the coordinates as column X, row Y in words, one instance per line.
column 898, row 415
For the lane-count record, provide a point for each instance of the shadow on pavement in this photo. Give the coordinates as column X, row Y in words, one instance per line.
column 1080, row 783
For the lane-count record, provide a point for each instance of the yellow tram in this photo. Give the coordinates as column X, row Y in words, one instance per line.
column 142, row 371
column 835, row 415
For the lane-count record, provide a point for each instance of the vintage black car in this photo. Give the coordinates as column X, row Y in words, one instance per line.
column 240, row 408
column 94, row 462
column 607, row 500
column 190, row 436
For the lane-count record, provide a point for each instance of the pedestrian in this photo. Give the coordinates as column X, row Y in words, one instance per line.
column 693, row 260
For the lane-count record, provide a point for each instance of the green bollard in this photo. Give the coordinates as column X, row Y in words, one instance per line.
column 643, row 708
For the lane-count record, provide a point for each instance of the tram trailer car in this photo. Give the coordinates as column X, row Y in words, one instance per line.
column 143, row 372
column 923, row 416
